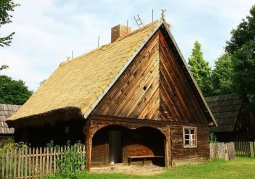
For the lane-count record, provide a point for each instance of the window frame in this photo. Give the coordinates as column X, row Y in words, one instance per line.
column 189, row 139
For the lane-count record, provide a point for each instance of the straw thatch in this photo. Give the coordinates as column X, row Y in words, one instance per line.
column 7, row 110
column 78, row 85
column 225, row 109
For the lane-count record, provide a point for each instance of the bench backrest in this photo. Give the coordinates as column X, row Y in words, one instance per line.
column 139, row 150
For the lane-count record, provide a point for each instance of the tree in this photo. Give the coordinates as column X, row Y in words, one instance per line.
column 5, row 18
column 200, row 70
column 4, row 67
column 12, row 91
column 222, row 75
column 242, row 49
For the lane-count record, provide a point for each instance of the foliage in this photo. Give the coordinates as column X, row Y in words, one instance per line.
column 4, row 67
column 212, row 138
column 70, row 162
column 242, row 49
column 222, row 76
column 200, row 70
column 8, row 144
column 12, row 91
column 5, row 18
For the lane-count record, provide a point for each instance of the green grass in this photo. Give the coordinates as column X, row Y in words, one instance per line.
column 238, row 168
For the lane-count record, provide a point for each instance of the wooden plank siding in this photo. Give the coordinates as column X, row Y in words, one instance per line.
column 137, row 89
column 178, row 102
column 181, row 155
column 153, row 87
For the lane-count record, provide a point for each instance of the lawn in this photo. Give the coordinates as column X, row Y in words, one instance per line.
column 238, row 168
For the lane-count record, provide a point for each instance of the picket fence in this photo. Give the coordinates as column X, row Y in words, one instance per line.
column 38, row 162
column 229, row 150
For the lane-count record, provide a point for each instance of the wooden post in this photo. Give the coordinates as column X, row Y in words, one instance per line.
column 251, row 149
column 168, row 161
column 226, row 151
column 88, row 145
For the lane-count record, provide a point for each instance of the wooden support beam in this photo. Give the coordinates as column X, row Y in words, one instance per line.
column 88, row 145
column 168, row 161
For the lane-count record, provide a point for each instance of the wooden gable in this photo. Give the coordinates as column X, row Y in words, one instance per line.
column 136, row 94
column 154, row 87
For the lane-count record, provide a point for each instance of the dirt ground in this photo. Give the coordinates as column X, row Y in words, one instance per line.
column 132, row 169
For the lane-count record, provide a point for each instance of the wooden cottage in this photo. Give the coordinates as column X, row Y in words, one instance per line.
column 6, row 110
column 130, row 101
column 234, row 123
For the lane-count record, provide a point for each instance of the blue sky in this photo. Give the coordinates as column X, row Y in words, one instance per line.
column 47, row 31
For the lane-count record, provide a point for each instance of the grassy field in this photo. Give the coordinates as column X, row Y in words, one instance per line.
column 238, row 168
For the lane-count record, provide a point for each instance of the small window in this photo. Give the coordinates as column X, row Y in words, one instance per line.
column 189, row 136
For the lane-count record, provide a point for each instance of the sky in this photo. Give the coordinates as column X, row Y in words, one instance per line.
column 48, row 32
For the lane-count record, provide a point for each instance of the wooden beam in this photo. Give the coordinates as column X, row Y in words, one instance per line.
column 88, row 145
column 168, row 161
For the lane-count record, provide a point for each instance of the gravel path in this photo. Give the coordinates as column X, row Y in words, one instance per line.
column 132, row 169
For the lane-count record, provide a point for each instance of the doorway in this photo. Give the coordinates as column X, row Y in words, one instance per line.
column 115, row 147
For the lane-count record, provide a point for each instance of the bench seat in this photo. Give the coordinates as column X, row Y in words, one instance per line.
column 144, row 157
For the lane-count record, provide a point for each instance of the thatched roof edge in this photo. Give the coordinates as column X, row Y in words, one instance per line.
column 48, row 118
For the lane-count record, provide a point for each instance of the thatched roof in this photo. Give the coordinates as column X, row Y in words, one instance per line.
column 225, row 109
column 7, row 110
column 78, row 85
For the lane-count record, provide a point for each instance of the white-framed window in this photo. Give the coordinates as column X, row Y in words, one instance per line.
column 189, row 136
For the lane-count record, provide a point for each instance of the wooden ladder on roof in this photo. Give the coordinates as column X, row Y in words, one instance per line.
column 138, row 21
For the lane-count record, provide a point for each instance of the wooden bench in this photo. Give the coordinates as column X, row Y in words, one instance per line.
column 144, row 157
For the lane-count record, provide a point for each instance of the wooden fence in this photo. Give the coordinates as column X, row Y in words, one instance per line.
column 222, row 150
column 229, row 150
column 245, row 148
column 40, row 162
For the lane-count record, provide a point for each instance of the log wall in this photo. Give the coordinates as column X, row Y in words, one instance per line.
column 181, row 155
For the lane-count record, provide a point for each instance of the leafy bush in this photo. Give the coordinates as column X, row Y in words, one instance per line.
column 70, row 162
column 212, row 138
column 8, row 144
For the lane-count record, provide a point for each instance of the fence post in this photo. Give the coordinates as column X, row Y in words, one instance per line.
column 2, row 156
column 251, row 149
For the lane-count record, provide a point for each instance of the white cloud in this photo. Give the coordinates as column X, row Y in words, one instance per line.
column 48, row 31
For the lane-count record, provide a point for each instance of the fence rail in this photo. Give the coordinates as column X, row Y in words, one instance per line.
column 40, row 162
column 229, row 150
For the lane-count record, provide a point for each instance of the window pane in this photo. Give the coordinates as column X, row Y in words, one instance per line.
column 189, row 136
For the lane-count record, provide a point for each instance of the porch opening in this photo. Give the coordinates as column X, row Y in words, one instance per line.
column 117, row 144
column 115, row 147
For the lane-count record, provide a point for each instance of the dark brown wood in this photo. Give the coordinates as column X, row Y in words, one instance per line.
column 177, row 95
column 179, row 153
column 144, row 157
column 88, row 144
